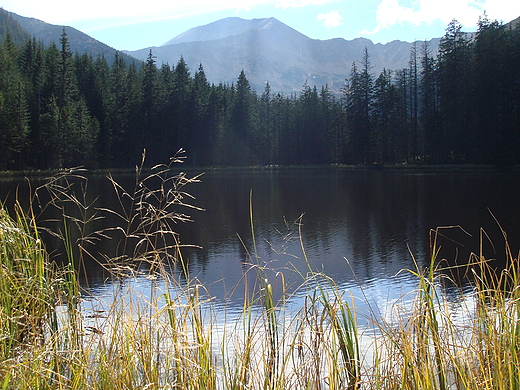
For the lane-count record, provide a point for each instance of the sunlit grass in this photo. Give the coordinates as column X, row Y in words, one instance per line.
column 176, row 337
column 28, row 286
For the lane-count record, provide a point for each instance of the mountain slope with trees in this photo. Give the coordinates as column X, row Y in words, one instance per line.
column 48, row 33
column 10, row 27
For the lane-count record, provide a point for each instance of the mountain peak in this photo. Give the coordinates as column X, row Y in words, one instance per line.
column 225, row 28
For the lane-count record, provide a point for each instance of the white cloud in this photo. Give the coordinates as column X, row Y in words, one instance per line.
column 65, row 11
column 300, row 3
column 502, row 10
column 467, row 12
column 331, row 19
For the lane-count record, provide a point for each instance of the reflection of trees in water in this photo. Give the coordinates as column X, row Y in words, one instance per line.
column 50, row 218
column 338, row 220
column 121, row 225
column 377, row 219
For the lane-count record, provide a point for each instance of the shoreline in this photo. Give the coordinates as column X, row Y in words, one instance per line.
column 416, row 167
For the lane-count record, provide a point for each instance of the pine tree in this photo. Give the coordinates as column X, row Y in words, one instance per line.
column 33, row 69
column 132, row 119
column 220, row 106
column 386, row 120
column 288, row 127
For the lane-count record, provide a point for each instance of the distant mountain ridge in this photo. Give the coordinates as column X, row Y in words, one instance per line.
column 79, row 41
column 269, row 50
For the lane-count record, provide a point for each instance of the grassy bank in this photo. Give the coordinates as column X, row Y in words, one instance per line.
column 52, row 337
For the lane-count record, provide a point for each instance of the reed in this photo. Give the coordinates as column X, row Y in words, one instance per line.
column 28, row 286
column 435, row 347
column 169, row 338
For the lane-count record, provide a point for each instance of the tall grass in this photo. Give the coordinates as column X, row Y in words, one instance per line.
column 28, row 286
column 170, row 338
column 435, row 347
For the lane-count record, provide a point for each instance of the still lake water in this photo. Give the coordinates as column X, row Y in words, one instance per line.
column 361, row 227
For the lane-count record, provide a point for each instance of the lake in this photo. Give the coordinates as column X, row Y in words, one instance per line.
column 359, row 226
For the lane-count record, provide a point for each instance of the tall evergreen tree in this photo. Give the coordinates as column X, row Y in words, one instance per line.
column 244, row 124
column 329, row 116
column 428, row 115
column 14, row 110
column 416, row 135
column 69, row 132
column 388, row 138
column 358, row 98
column 310, row 146
column 149, row 113
column 492, row 136
column 220, row 106
column 132, row 117
column 33, row 69
column 203, row 130
column 281, row 107
column 118, row 105
column 182, row 95
column 266, row 123
column 455, row 92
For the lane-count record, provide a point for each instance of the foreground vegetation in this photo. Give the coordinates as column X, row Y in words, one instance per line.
column 52, row 337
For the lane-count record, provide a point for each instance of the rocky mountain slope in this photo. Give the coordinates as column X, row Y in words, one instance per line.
column 269, row 50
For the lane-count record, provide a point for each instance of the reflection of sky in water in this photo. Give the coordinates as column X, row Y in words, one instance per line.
column 376, row 298
column 377, row 302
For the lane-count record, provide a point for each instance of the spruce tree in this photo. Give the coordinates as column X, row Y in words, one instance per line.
column 203, row 130
column 244, row 124
column 181, row 95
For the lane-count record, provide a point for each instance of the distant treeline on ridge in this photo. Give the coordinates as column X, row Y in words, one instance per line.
column 61, row 109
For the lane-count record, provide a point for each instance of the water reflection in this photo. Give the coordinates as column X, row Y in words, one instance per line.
column 359, row 226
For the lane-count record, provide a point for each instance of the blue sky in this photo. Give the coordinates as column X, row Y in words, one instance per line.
column 134, row 24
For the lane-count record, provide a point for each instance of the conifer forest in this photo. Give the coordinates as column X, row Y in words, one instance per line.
column 458, row 106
